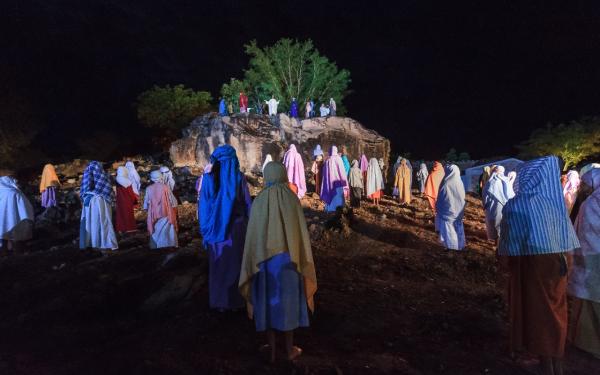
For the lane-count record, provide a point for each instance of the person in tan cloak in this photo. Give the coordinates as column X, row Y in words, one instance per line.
column 402, row 182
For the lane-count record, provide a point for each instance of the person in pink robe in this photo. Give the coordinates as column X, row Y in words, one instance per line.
column 160, row 202
column 295, row 170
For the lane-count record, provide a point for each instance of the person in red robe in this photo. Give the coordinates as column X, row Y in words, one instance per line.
column 126, row 201
column 243, row 103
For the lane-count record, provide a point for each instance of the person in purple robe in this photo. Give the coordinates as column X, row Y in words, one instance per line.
column 295, row 170
column 223, row 215
column 334, row 186
column 48, row 185
column 294, row 108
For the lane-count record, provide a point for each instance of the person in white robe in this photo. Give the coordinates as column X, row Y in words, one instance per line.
column 450, row 210
column 272, row 104
column 16, row 215
column 134, row 177
column 96, row 228
column 160, row 203
column 496, row 192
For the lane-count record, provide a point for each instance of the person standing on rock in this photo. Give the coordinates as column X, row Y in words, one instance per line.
column 48, row 185
column 307, row 109
column 272, row 103
column 402, row 183
column 355, row 179
column 334, row 186
column 96, row 230
column 432, row 186
column 224, row 210
column 332, row 107
column 422, row 175
column 295, row 170
column 537, row 237
column 294, row 108
column 126, row 201
column 364, row 167
column 223, row 107
column 324, row 110
column 160, row 203
column 496, row 193
column 450, row 210
column 134, row 177
column 375, row 184
column 278, row 278
column 16, row 215
column 243, row 103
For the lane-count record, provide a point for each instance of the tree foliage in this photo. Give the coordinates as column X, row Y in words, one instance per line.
column 171, row 108
column 290, row 69
column 573, row 142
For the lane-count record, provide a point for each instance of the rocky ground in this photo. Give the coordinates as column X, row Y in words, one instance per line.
column 390, row 300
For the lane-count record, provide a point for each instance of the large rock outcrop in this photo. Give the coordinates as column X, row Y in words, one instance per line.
column 255, row 136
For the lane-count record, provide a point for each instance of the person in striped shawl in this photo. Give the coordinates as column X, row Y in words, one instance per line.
column 537, row 237
column 96, row 192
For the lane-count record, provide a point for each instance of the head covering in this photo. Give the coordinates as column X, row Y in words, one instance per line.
column 123, row 177
column 535, row 221
column 156, row 176
column 374, row 177
column 167, row 177
column 268, row 159
column 355, row 177
column 317, row 151
column 572, row 184
column 587, row 224
column 423, row 172
column 334, row 176
column 450, row 203
column 15, row 208
column 364, row 163
column 134, row 177
column 512, row 176
column 8, row 183
column 432, row 185
column 49, row 178
column 295, row 169
column 218, row 194
column 96, row 181
column 277, row 225
column 588, row 167
column 498, row 189
column 159, row 202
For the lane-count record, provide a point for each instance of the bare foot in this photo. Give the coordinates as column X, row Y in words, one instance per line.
column 295, row 353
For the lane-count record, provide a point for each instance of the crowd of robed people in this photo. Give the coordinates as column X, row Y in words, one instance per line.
column 228, row 107
column 259, row 251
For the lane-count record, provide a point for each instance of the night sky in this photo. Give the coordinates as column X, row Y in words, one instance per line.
column 428, row 75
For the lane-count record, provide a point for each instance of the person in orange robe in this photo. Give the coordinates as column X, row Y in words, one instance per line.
column 126, row 201
column 432, row 186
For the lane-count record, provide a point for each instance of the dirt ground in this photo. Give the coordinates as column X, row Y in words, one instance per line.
column 390, row 300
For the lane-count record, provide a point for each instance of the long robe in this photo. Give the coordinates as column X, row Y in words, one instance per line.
column 161, row 221
column 364, row 166
column 432, row 185
column 48, row 184
column 272, row 104
column 355, row 180
column 570, row 189
column 375, row 184
column 126, row 201
column 402, row 182
column 450, row 210
column 495, row 194
column 317, row 170
column 537, row 236
column 334, row 186
column 295, row 169
column 223, row 108
column 96, row 229
column 16, row 212
column 243, row 103
column 422, row 177
column 294, row 109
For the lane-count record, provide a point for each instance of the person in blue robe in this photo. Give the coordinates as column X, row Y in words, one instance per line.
column 294, row 108
column 223, row 107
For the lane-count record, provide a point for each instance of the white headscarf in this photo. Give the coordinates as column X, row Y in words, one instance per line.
column 268, row 159
column 134, row 177
column 374, row 177
column 123, row 177
column 167, row 177
column 157, row 176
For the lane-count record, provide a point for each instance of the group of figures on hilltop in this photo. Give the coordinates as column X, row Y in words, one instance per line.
column 270, row 106
column 260, row 254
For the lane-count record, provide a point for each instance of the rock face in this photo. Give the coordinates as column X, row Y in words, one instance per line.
column 255, row 136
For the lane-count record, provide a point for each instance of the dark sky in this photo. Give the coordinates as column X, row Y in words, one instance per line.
column 478, row 76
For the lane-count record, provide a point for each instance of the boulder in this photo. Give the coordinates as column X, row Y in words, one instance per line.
column 255, row 136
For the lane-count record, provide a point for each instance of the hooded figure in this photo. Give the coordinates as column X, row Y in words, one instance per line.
column 160, row 203
column 332, row 107
column 324, row 111
column 584, row 279
column 224, row 209
column 295, row 169
column 223, row 107
column 355, row 179
column 243, row 103
column 335, row 184
column 345, row 160
column 496, row 194
column 364, row 166
column 535, row 235
column 432, row 185
column 126, row 201
column 278, row 278
column 570, row 189
column 422, row 177
column 16, row 214
column 268, row 159
column 96, row 192
column 48, row 185
column 397, row 165
column 168, row 177
column 450, row 209
column 134, row 177
column 307, row 109
column 317, row 151
column 272, row 104
column 317, row 170
column 402, row 182
column 374, row 181
column 588, row 167
column 294, row 108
